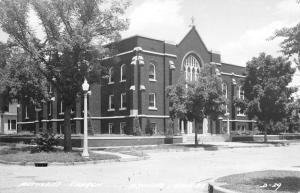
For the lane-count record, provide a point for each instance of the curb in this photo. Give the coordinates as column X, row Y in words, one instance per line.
column 76, row 163
column 214, row 188
column 212, row 148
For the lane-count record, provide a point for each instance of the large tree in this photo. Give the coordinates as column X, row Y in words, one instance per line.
column 198, row 99
column 266, row 89
column 70, row 45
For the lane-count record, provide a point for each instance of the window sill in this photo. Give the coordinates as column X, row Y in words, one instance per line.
column 109, row 110
column 111, row 83
column 152, row 108
column 61, row 113
column 122, row 109
column 241, row 115
column 122, row 80
column 27, row 118
column 152, row 80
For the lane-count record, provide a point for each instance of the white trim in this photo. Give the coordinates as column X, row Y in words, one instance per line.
column 78, row 118
column 132, row 87
column 152, row 108
column 239, row 120
column 24, row 122
column 216, row 63
column 233, row 74
column 9, row 114
column 100, row 118
column 130, row 116
column 159, row 53
column 143, row 51
column 110, row 110
column 120, row 54
column 56, row 120
column 241, row 115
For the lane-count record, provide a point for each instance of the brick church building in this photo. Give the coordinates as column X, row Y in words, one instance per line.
column 135, row 89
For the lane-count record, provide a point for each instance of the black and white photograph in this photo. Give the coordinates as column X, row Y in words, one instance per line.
column 150, row 96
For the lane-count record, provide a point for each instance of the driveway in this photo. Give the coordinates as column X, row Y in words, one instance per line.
column 164, row 172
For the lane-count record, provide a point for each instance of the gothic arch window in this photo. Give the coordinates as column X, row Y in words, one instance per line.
column 191, row 67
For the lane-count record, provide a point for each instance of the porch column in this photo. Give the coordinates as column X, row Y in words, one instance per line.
column 205, row 126
column 182, row 127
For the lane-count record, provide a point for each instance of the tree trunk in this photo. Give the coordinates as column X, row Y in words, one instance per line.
column 196, row 136
column 266, row 126
column 196, row 132
column 67, row 129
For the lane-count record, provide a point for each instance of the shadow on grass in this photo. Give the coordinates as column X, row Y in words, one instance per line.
column 275, row 143
column 207, row 147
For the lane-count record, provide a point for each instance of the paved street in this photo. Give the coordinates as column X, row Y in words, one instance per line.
column 163, row 172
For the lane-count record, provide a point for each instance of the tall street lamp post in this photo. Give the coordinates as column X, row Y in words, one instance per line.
column 85, row 88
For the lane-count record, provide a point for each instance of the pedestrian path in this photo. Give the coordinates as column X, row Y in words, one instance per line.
column 121, row 155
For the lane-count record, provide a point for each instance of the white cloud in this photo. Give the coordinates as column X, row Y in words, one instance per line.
column 252, row 42
column 156, row 19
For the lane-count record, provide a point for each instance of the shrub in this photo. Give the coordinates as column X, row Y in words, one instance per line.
column 45, row 142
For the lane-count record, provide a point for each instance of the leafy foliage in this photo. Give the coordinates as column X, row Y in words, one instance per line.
column 68, row 45
column 291, row 40
column 293, row 119
column 45, row 142
column 198, row 99
column 266, row 88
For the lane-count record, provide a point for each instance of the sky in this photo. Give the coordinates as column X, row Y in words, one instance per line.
column 238, row 29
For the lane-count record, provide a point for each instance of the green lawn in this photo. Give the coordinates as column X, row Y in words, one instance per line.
column 21, row 153
column 263, row 182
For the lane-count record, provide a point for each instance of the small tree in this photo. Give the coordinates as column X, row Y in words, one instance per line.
column 266, row 89
column 199, row 99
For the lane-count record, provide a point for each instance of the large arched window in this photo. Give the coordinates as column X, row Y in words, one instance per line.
column 123, row 73
column 152, row 72
column 191, row 67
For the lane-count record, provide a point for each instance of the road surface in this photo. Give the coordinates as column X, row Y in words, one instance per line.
column 166, row 172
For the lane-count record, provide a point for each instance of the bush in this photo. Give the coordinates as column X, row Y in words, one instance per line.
column 45, row 142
